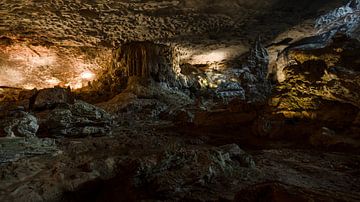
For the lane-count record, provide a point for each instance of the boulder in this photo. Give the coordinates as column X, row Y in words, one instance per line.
column 19, row 124
column 76, row 120
column 51, row 97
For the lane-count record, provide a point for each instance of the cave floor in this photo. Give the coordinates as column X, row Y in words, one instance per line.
column 107, row 169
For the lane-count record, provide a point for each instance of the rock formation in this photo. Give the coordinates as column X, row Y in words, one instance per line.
column 187, row 100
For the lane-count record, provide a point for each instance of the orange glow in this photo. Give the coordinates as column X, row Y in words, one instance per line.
column 39, row 67
column 216, row 55
column 87, row 75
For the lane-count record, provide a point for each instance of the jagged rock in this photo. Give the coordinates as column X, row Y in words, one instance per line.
column 145, row 60
column 332, row 78
column 50, row 97
column 199, row 169
column 19, row 124
column 320, row 89
column 345, row 20
column 230, row 90
column 77, row 120
column 257, row 86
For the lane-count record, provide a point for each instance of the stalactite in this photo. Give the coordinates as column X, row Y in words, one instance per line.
column 145, row 59
column 138, row 59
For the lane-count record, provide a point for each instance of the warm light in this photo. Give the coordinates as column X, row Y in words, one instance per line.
column 87, row 75
column 216, row 56
column 40, row 67
column 29, row 86
column 42, row 60
column 53, row 81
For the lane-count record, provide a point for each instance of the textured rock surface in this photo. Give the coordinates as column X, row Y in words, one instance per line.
column 95, row 22
column 15, row 148
column 345, row 19
column 51, row 97
column 68, row 43
column 302, row 142
column 55, row 112
column 319, row 96
column 137, row 61
column 146, row 162
column 18, row 124
column 75, row 120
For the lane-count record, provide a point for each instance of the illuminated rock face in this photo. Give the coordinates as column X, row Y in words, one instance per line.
column 143, row 62
column 180, row 99
column 319, row 96
column 48, row 43
column 70, row 22
column 28, row 66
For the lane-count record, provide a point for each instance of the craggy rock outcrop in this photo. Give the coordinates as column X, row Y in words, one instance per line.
column 197, row 168
column 18, row 124
column 255, row 76
column 51, row 97
column 75, row 120
column 345, row 19
column 73, row 23
column 320, row 90
column 227, row 97
column 54, row 112
column 209, row 104
column 142, row 60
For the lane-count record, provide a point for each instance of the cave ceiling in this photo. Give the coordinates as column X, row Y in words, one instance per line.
column 108, row 22
column 42, row 41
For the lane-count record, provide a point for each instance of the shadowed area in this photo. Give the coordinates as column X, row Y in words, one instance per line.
column 179, row 100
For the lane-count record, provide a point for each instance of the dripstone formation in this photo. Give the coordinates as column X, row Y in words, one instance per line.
column 182, row 100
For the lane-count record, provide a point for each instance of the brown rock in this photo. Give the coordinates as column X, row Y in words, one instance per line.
column 26, row 98
column 50, row 97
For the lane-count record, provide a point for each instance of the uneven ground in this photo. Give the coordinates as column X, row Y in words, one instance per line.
column 194, row 117
column 107, row 169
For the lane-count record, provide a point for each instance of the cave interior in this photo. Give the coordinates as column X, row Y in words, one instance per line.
column 180, row 100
